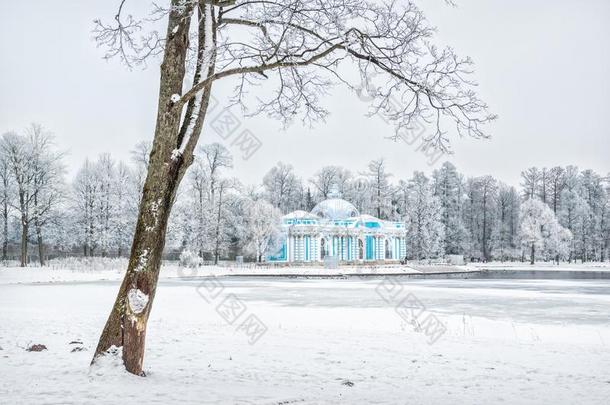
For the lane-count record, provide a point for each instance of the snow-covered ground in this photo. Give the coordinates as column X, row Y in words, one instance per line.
column 113, row 269
column 16, row 275
column 327, row 341
column 564, row 266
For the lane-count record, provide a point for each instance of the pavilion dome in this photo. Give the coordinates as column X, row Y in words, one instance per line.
column 335, row 208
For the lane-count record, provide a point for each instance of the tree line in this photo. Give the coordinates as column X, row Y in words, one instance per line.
column 559, row 213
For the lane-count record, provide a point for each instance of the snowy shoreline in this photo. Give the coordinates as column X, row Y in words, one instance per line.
column 30, row 275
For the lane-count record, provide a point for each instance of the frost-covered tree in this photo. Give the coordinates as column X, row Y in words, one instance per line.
column 193, row 226
column 140, row 156
column 380, row 188
column 330, row 178
column 505, row 233
column 296, row 48
column 214, row 157
column 544, row 184
column 574, row 214
column 283, row 188
column 558, row 243
column 530, row 182
column 479, row 215
column 205, row 178
column 583, row 210
column 401, row 197
column 105, row 173
column 48, row 184
column 84, row 198
column 595, row 195
column 36, row 170
column 6, row 194
column 262, row 225
column 448, row 187
column 181, row 233
column 425, row 229
column 556, row 185
column 105, row 198
column 201, row 206
column 541, row 233
column 221, row 217
column 126, row 198
column 606, row 222
column 310, row 202
column 358, row 193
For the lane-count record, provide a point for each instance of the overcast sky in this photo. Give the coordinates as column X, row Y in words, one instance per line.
column 543, row 66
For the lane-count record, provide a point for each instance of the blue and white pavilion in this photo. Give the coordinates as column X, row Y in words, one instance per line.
column 335, row 228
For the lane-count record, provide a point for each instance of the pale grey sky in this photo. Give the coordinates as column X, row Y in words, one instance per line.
column 543, row 66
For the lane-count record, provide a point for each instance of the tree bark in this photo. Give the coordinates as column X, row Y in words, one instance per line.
column 217, row 231
column 24, row 243
column 5, row 229
column 533, row 254
column 40, row 245
column 126, row 324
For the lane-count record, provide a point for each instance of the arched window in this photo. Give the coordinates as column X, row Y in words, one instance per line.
column 322, row 248
column 388, row 249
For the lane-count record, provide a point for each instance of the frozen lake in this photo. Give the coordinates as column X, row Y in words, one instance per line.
column 546, row 301
column 513, row 341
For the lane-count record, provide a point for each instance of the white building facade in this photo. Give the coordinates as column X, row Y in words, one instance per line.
column 335, row 228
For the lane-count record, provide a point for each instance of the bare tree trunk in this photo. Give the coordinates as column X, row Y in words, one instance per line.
column 126, row 324
column 5, row 229
column 533, row 254
column 24, row 243
column 217, row 232
column 40, row 245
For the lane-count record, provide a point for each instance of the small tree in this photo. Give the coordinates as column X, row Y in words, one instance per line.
column 330, row 178
column 541, row 233
column 425, row 229
column 558, row 242
column 282, row 187
column 381, row 190
column 263, row 227
column 449, row 188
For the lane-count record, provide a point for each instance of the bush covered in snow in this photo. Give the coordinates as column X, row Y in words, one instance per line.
column 190, row 259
